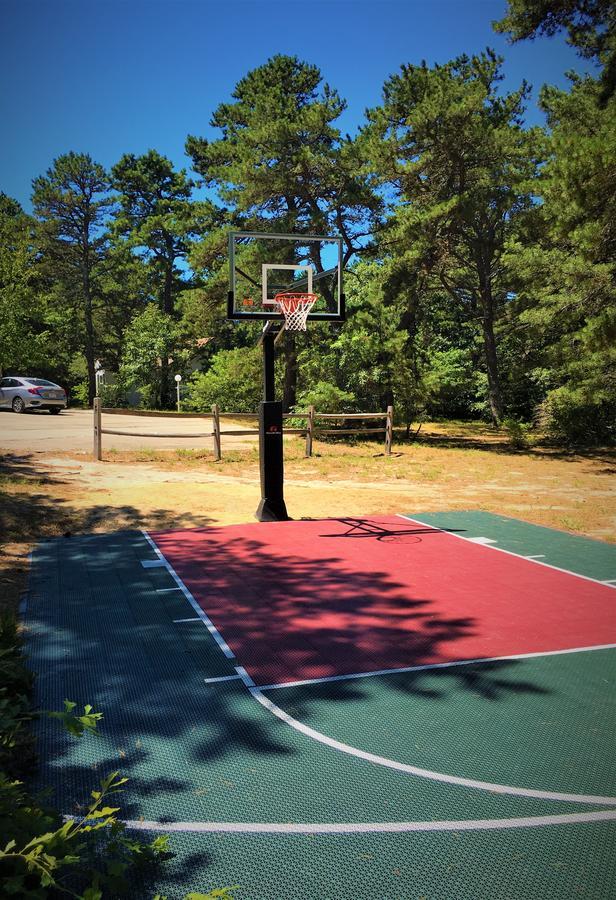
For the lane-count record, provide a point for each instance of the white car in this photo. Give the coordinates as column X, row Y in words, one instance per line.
column 20, row 393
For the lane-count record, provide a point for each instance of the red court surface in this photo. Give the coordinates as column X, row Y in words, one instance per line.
column 309, row 599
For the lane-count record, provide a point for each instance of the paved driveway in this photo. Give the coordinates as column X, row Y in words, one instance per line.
column 72, row 431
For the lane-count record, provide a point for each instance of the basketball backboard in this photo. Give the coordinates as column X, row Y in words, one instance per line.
column 263, row 265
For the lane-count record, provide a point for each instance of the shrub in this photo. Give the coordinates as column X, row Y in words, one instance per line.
column 113, row 396
column 518, row 433
column 326, row 398
column 38, row 851
column 575, row 416
column 79, row 394
column 41, row 855
column 233, row 381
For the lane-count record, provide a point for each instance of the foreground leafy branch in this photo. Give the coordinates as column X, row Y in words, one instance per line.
column 42, row 854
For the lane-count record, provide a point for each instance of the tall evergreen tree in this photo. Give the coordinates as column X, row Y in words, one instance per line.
column 567, row 275
column 24, row 328
column 157, row 220
column 462, row 168
column 71, row 203
column 282, row 165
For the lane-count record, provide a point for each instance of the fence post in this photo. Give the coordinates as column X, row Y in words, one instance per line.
column 309, row 430
column 98, row 438
column 389, row 430
column 216, row 429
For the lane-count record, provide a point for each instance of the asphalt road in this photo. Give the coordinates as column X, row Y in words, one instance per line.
column 72, row 430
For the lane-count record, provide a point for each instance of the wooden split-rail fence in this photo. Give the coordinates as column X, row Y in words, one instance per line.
column 313, row 429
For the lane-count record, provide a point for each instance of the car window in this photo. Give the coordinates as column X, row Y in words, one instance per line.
column 40, row 382
column 10, row 382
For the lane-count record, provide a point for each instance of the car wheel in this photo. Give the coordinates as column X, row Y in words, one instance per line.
column 55, row 410
column 18, row 405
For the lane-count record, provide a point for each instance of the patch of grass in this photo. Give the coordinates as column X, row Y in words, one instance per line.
column 11, row 481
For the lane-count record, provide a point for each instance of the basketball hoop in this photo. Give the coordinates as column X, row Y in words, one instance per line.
column 295, row 309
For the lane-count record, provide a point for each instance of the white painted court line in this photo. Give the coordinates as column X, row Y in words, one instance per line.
column 221, row 678
column 243, row 674
column 205, row 619
column 482, row 540
column 192, row 619
column 152, row 563
column 531, row 559
column 371, row 827
column 416, row 770
column 429, row 666
column 167, row 590
column 535, row 556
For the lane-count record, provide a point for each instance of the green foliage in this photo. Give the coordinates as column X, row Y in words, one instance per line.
column 233, row 381
column 452, row 384
column 326, row 398
column 71, row 203
column 151, row 340
column 566, row 295
column 282, row 165
column 518, row 433
column 573, row 416
column 26, row 336
column 16, row 741
column 156, row 218
column 451, row 145
column 88, row 856
column 113, row 395
column 74, row 724
column 480, row 254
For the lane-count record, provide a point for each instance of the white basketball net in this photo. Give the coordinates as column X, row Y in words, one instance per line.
column 295, row 309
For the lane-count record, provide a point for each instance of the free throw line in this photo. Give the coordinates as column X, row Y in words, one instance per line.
column 427, row 666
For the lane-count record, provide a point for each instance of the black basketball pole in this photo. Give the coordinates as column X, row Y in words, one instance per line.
column 272, row 506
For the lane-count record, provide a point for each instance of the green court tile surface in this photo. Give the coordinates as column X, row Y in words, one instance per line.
column 101, row 631
column 545, row 723
column 584, row 556
column 557, row 863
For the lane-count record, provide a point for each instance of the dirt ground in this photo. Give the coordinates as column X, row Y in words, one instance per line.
column 446, row 467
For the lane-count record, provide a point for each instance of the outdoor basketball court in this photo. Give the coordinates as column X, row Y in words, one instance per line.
column 391, row 707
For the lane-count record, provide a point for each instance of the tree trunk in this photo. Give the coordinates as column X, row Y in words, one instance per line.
column 491, row 358
column 387, row 399
column 290, row 373
column 167, row 298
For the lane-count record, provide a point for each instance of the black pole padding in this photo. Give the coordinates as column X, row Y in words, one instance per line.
column 230, row 304
column 269, row 387
column 272, row 506
column 342, row 309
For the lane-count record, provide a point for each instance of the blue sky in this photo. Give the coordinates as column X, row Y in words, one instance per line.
column 123, row 76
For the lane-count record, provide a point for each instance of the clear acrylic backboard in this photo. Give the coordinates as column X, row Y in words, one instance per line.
column 262, row 266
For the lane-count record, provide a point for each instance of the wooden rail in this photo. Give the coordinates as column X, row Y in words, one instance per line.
column 311, row 429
